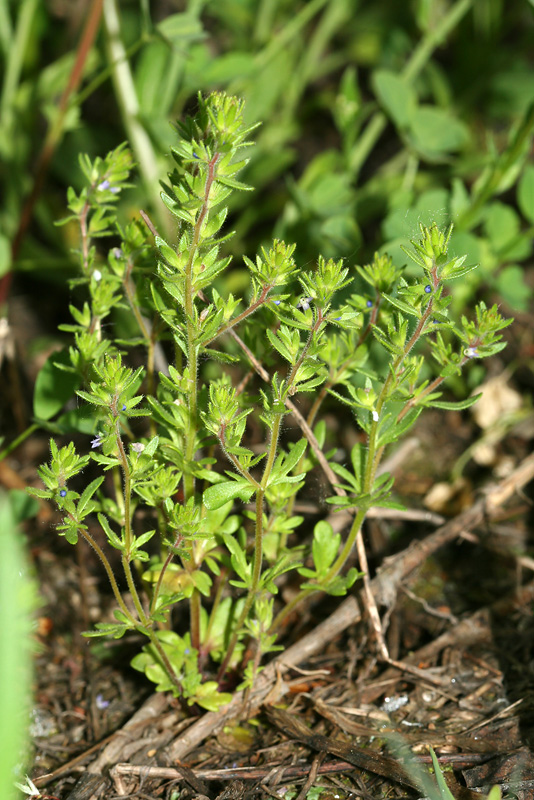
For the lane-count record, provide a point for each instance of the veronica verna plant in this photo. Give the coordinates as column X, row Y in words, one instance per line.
column 177, row 445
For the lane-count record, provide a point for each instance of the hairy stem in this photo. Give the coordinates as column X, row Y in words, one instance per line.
column 109, row 571
column 128, row 536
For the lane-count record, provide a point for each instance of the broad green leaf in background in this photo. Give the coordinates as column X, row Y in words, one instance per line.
column 395, row 96
column 22, row 505
column 54, row 386
column 181, row 27
column 501, row 225
column 435, row 133
column 510, row 284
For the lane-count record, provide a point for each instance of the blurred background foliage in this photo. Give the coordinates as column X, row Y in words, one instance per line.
column 375, row 116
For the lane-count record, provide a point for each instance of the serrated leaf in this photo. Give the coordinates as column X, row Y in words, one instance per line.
column 220, row 493
column 208, row 696
column 232, row 183
column 88, row 493
column 113, row 539
column 167, row 252
column 116, row 631
column 402, row 306
column 325, row 546
column 279, row 346
column 295, row 454
column 143, row 538
column 458, row 405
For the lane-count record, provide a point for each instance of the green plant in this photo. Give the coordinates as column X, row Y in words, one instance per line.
column 161, row 432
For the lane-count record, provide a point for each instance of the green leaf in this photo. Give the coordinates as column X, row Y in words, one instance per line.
column 23, row 505
column 202, row 582
column 180, row 27
column 279, row 345
column 459, row 405
column 220, row 493
column 208, row 696
column 116, row 630
column 444, row 791
column 325, row 546
column 402, row 306
column 143, row 539
column 436, row 133
column 54, row 386
column 169, row 254
column 294, row 455
column 395, row 96
column 501, row 225
column 511, row 286
column 239, row 560
column 113, row 539
column 88, row 493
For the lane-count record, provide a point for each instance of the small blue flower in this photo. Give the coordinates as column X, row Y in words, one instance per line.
column 114, row 189
column 304, row 303
column 428, row 288
column 336, row 319
column 471, row 352
column 369, row 304
column 123, row 407
column 102, row 187
column 117, row 253
column 195, row 155
column 277, row 302
column 96, row 442
column 63, row 493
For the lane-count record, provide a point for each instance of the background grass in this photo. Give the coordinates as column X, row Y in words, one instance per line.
column 375, row 116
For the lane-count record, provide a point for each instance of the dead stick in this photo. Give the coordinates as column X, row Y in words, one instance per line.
column 290, row 771
column 238, row 773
